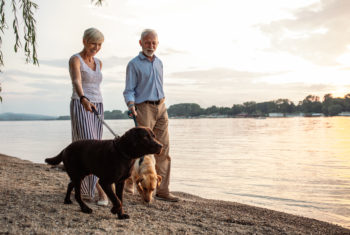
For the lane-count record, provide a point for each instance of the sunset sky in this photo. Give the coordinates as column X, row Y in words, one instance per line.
column 215, row 52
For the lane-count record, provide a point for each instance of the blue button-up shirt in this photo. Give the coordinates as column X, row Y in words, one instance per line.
column 144, row 79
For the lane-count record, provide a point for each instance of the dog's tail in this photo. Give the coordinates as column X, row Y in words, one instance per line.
column 55, row 160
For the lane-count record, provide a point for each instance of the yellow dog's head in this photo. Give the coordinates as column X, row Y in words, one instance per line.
column 146, row 185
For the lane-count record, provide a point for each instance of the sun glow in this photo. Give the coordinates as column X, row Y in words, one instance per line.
column 340, row 92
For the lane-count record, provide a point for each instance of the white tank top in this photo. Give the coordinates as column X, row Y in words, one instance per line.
column 91, row 81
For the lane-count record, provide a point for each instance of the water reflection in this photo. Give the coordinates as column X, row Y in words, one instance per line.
column 296, row 165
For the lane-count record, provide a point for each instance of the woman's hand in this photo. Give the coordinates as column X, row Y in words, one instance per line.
column 88, row 105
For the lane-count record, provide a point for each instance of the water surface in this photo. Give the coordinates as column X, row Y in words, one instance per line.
column 296, row 165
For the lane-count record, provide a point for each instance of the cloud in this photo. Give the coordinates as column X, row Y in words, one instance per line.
column 171, row 51
column 7, row 78
column 225, row 87
column 59, row 63
column 216, row 74
column 13, row 73
column 243, row 92
column 118, row 78
column 115, row 61
column 22, row 83
column 107, row 63
column 318, row 32
column 49, row 87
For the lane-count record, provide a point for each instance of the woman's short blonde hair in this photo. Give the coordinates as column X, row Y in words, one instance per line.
column 93, row 35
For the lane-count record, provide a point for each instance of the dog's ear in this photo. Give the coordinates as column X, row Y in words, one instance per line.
column 139, row 188
column 139, row 180
column 159, row 180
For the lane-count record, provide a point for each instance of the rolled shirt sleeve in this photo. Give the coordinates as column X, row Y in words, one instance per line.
column 130, row 83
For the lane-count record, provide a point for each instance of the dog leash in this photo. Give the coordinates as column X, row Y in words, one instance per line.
column 104, row 123
column 131, row 115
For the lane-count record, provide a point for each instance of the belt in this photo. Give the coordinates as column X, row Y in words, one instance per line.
column 155, row 102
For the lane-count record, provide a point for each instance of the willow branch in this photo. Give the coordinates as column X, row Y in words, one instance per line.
column 97, row 2
column 29, row 31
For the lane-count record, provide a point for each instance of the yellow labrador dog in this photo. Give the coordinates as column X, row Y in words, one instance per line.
column 145, row 177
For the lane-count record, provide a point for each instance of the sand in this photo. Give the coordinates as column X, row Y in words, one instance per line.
column 32, row 203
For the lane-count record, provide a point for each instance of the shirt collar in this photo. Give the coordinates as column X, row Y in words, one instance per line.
column 143, row 57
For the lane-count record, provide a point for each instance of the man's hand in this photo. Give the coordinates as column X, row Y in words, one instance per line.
column 132, row 108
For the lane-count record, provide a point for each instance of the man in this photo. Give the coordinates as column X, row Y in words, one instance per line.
column 144, row 96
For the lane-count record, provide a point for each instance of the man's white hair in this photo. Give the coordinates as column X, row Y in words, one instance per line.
column 148, row 31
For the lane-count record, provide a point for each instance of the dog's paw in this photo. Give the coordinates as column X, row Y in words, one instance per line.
column 114, row 210
column 123, row 216
column 67, row 201
column 86, row 210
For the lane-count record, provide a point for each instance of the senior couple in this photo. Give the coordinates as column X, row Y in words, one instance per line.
column 144, row 97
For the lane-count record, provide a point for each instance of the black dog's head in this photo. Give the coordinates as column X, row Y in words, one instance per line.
column 140, row 141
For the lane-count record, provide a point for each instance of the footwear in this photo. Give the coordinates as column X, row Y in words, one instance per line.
column 129, row 186
column 169, row 198
column 102, row 202
column 129, row 189
column 86, row 198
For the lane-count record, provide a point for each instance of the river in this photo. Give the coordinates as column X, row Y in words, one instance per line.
column 296, row 165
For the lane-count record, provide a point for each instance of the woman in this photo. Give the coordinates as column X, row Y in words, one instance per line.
column 85, row 72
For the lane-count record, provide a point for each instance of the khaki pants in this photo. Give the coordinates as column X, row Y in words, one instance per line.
column 156, row 118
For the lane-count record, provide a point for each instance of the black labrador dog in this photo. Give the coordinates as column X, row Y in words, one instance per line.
column 110, row 160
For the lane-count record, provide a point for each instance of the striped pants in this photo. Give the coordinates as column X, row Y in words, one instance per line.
column 86, row 125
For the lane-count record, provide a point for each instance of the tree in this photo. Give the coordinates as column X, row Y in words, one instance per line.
column 211, row 110
column 27, row 8
column 250, row 107
column 115, row 114
column 185, row 109
column 327, row 102
column 285, row 106
column 347, row 102
column 266, row 107
column 334, row 109
column 224, row 111
column 237, row 109
column 98, row 2
column 311, row 104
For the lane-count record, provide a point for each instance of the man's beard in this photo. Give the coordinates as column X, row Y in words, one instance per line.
column 148, row 53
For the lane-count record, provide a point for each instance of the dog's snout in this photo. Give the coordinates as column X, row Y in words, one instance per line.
column 159, row 147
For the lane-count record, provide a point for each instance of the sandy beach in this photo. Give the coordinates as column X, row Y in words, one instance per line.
column 32, row 203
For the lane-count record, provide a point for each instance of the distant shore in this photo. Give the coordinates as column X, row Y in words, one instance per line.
column 62, row 118
column 32, row 203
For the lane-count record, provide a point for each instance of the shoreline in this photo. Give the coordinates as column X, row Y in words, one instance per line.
column 194, row 117
column 32, row 202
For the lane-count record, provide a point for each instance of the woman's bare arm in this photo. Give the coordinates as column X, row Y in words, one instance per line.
column 74, row 71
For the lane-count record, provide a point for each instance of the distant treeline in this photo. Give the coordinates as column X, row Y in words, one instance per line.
column 329, row 106
column 115, row 114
